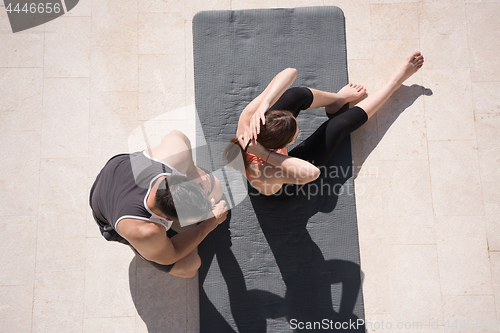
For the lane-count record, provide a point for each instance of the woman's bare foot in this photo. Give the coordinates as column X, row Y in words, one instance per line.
column 410, row 66
column 349, row 93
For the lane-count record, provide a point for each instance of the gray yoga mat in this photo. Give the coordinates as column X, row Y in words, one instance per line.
column 279, row 263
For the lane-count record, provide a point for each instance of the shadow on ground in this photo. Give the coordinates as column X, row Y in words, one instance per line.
column 371, row 133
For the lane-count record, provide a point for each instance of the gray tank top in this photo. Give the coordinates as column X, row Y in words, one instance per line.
column 121, row 188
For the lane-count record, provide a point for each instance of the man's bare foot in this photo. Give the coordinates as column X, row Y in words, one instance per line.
column 410, row 66
column 348, row 93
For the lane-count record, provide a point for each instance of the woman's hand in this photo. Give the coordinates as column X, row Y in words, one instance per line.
column 250, row 144
column 258, row 116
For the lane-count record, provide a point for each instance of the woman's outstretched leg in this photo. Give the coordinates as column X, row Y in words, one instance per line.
column 410, row 66
column 332, row 102
column 322, row 143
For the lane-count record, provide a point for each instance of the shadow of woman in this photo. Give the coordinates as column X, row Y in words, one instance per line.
column 307, row 275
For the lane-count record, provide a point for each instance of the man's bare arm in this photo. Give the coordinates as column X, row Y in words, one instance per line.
column 151, row 241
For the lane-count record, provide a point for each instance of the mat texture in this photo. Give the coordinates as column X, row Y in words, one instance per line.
column 280, row 263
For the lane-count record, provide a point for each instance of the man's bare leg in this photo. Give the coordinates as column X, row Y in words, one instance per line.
column 334, row 101
column 411, row 64
column 187, row 266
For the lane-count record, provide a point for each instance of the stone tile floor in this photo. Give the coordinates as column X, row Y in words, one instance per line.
column 75, row 91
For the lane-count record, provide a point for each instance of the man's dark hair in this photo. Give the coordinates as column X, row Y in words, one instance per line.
column 178, row 195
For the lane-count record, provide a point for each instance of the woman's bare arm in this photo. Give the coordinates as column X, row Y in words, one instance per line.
column 257, row 108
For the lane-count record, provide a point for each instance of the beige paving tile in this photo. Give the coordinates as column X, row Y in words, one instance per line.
column 189, row 65
column 108, row 267
column 495, row 275
column 407, row 200
column 250, row 4
column 488, row 133
column 19, row 173
column 449, row 111
column 298, row 3
column 488, row 130
column 489, row 159
column 463, row 255
column 83, row 8
column 394, row 21
column 483, row 47
column 376, row 253
column 455, row 180
column 361, row 72
column 415, row 289
column 378, row 322
column 364, row 141
column 372, row 223
column 58, row 302
column 192, row 305
column 162, row 6
column 67, row 47
column 65, row 122
column 388, row 54
column 114, row 68
column 485, row 96
column 58, row 231
column 193, row 6
column 152, row 132
column 160, row 300
column 16, row 306
column 358, row 27
column 114, row 23
column 491, row 198
column 63, row 187
column 162, row 86
column 396, row 1
column 448, row 31
column 113, row 116
column 469, row 313
column 92, row 230
column 108, row 325
column 385, row 323
column 161, row 33
column 21, row 103
column 21, row 49
column 480, row 1
column 402, row 127
column 18, row 239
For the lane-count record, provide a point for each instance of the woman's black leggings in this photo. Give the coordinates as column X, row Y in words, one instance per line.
column 319, row 147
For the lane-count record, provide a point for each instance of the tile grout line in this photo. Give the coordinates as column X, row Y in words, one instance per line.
column 419, row 15
column 88, row 145
column 185, row 93
column 39, row 185
column 495, row 301
column 137, row 316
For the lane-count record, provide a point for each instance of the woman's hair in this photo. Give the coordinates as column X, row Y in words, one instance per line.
column 179, row 197
column 279, row 130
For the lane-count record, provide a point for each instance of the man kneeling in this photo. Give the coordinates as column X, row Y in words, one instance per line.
column 136, row 197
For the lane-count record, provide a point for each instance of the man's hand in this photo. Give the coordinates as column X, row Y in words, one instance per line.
column 219, row 212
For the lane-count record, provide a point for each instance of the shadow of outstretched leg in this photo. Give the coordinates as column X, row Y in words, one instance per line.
column 349, row 275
